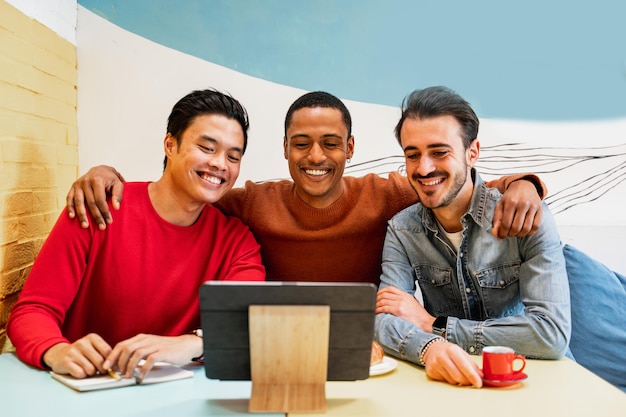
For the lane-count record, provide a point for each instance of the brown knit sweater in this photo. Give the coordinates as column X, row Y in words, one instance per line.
column 342, row 242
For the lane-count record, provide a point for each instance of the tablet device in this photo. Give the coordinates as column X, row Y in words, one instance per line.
column 224, row 315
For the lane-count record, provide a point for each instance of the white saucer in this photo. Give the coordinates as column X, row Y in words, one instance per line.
column 386, row 366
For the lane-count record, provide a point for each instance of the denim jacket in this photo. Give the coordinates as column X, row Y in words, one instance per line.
column 512, row 292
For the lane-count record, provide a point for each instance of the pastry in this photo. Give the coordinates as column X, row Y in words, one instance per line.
column 377, row 354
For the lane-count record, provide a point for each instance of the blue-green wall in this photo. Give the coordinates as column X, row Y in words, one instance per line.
column 531, row 60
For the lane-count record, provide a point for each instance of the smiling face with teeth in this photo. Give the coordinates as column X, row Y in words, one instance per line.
column 203, row 165
column 316, row 146
column 438, row 165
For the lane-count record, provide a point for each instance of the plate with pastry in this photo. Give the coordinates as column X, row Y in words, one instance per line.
column 379, row 363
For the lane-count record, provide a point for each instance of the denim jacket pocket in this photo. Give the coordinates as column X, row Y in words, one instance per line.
column 500, row 289
column 437, row 287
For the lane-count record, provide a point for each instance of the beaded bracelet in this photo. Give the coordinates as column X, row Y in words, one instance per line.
column 427, row 345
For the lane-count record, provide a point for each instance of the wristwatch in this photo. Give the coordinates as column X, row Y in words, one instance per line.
column 439, row 326
column 198, row 332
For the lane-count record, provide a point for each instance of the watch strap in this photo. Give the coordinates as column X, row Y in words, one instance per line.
column 439, row 326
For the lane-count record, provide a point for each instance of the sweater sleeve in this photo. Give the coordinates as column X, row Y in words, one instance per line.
column 36, row 318
column 503, row 183
column 245, row 263
column 400, row 193
column 232, row 204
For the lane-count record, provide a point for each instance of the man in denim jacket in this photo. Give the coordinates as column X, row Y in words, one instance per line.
column 448, row 285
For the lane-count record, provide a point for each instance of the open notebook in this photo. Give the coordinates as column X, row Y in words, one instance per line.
column 160, row 372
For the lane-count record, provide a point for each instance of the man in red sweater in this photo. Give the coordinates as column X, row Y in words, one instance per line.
column 322, row 226
column 96, row 300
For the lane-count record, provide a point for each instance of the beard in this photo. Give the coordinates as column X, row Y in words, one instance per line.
column 427, row 198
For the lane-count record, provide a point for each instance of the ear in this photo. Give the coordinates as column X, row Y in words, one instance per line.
column 285, row 153
column 169, row 144
column 350, row 147
column 472, row 153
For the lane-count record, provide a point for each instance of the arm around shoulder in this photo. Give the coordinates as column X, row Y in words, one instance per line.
column 519, row 211
column 503, row 183
column 91, row 190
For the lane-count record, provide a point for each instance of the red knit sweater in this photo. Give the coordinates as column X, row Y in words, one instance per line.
column 140, row 275
column 342, row 242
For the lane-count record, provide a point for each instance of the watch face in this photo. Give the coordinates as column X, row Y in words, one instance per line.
column 439, row 326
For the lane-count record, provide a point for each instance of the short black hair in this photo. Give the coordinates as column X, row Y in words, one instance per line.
column 319, row 99
column 201, row 102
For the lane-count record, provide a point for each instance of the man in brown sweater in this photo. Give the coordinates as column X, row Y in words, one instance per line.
column 322, row 226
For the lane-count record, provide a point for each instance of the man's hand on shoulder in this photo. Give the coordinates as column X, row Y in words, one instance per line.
column 518, row 213
column 92, row 189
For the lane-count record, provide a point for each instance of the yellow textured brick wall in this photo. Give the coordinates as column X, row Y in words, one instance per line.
column 38, row 143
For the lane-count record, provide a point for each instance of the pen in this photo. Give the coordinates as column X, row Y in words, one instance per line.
column 113, row 374
column 138, row 376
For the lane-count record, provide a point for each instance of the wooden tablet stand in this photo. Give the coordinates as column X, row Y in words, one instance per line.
column 288, row 358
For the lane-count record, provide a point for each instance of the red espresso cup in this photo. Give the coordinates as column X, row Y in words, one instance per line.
column 498, row 363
